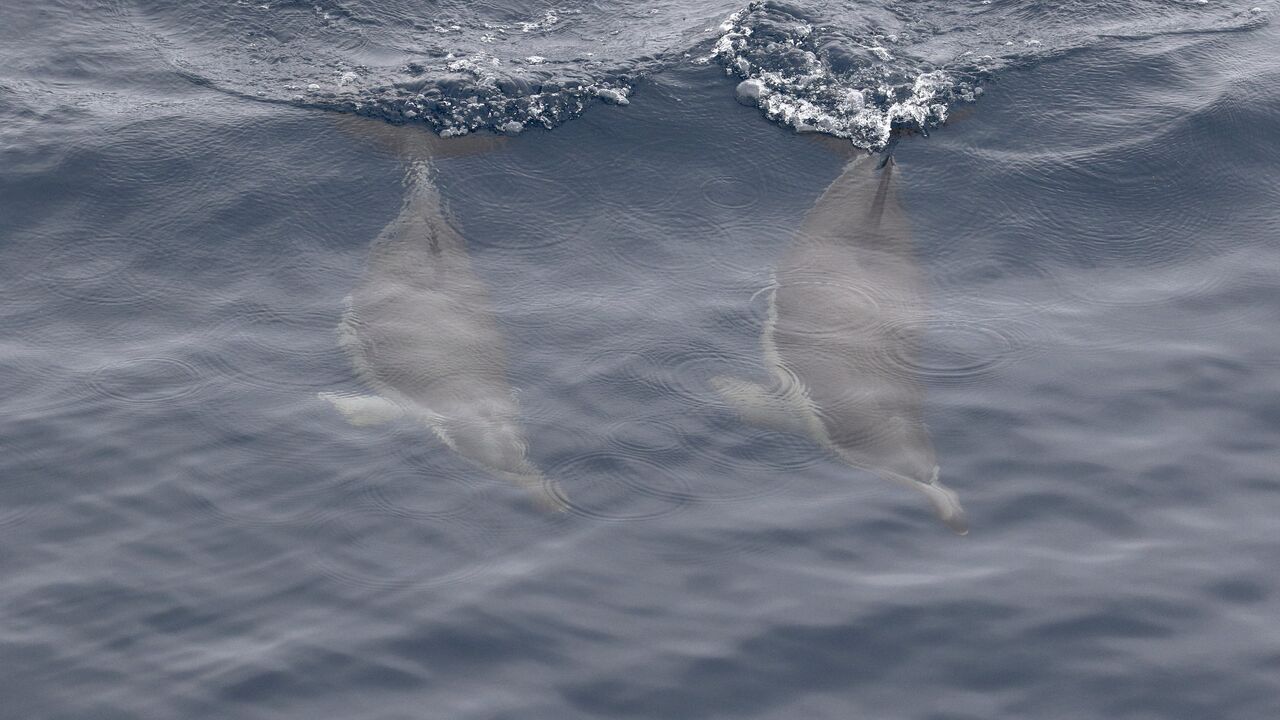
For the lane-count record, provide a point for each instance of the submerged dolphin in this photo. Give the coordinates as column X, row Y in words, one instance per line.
column 420, row 331
column 840, row 340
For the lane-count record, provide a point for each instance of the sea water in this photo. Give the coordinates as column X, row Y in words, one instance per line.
column 190, row 530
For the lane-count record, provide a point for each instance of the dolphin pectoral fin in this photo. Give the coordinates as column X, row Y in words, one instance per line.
column 945, row 503
column 759, row 406
column 362, row 410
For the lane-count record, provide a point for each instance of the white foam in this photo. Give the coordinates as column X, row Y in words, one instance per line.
column 800, row 88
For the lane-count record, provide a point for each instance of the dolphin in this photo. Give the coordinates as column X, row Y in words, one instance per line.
column 840, row 342
column 420, row 330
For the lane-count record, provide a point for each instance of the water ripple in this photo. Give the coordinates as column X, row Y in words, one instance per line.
column 19, row 472
column 619, row 487
column 146, row 380
column 276, row 348
column 278, row 491
column 372, row 549
column 420, row 495
column 92, row 268
column 953, row 351
column 733, row 193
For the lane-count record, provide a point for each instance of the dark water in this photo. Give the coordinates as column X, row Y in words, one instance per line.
column 190, row 531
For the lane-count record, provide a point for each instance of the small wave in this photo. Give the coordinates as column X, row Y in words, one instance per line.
column 619, row 486
column 22, row 498
column 814, row 78
column 253, row 490
column 418, row 495
column 854, row 70
column 146, row 380
column 370, row 548
column 456, row 67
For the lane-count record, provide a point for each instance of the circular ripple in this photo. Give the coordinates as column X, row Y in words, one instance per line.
column 731, row 192
column 378, row 550
column 686, row 371
column 509, row 190
column 1141, row 244
column 676, row 250
column 744, row 462
column 420, row 495
column 1156, row 286
column 1139, row 223
column 614, row 487
column 92, row 268
column 47, row 353
column 746, row 448
column 146, row 380
column 276, row 348
column 303, row 263
column 651, row 436
column 518, row 236
column 994, row 283
column 639, row 180
column 950, row 351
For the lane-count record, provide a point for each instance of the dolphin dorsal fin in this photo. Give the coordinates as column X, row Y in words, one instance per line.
column 876, row 212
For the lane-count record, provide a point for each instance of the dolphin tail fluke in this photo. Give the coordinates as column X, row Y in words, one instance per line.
column 758, row 406
column 551, row 498
column 945, row 503
column 363, row 410
column 546, row 493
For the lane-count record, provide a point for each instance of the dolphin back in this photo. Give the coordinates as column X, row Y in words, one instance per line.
column 420, row 328
column 861, row 204
column 845, row 325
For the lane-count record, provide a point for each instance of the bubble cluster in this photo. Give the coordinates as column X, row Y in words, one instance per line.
column 826, row 79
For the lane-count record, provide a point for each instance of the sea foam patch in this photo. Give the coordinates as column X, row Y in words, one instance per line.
column 851, row 69
column 815, row 76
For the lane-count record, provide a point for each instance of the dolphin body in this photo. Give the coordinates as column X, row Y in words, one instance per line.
column 420, row 330
column 840, row 339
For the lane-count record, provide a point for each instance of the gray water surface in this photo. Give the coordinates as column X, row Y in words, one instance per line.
column 190, row 531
